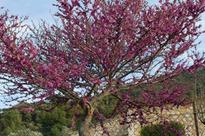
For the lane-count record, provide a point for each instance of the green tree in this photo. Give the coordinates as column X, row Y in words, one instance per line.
column 52, row 122
column 10, row 121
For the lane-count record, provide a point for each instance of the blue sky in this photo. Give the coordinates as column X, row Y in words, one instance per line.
column 35, row 9
column 43, row 9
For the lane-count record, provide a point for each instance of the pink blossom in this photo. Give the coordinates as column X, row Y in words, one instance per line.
column 103, row 47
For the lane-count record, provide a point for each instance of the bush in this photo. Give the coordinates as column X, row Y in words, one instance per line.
column 164, row 129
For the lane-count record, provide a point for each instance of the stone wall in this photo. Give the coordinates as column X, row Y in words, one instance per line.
column 182, row 114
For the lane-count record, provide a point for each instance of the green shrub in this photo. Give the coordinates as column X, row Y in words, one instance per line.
column 163, row 129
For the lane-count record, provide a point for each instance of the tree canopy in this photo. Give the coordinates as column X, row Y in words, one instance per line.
column 99, row 48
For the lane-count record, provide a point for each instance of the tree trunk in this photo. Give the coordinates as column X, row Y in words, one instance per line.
column 89, row 108
column 85, row 125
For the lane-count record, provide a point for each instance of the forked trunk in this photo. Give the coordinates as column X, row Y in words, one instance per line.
column 85, row 126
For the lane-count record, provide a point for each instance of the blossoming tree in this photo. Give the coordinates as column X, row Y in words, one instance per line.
column 99, row 48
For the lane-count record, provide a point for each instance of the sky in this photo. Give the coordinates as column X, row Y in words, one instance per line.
column 35, row 9
column 43, row 9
